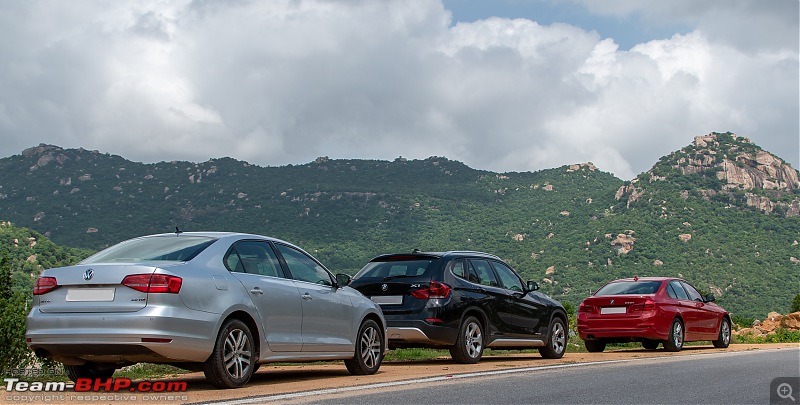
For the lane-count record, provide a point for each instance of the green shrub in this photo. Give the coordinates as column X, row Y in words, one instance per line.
column 795, row 304
column 13, row 306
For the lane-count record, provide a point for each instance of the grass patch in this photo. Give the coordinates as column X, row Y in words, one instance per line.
column 143, row 371
column 411, row 354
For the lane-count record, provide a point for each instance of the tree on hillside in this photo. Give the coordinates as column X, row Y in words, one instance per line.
column 13, row 307
column 795, row 304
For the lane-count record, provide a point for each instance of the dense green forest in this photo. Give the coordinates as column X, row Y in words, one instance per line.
column 570, row 228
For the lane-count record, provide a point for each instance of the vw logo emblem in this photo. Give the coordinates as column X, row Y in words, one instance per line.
column 88, row 274
column 384, row 287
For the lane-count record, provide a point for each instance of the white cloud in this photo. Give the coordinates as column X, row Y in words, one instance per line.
column 284, row 82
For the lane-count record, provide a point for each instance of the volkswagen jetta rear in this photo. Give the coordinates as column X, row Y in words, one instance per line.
column 127, row 303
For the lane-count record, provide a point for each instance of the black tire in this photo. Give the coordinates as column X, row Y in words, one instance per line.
column 724, row 339
column 236, row 341
column 650, row 344
column 557, row 344
column 594, row 346
column 469, row 344
column 675, row 341
column 370, row 345
column 88, row 370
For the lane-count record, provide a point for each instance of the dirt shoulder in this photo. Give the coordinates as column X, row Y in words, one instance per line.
column 272, row 380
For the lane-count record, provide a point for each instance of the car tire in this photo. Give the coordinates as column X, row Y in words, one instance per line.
column 724, row 334
column 369, row 348
column 650, row 344
column 234, row 341
column 88, row 370
column 557, row 344
column 594, row 346
column 676, row 333
column 469, row 344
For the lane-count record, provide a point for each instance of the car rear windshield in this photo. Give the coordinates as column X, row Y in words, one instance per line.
column 396, row 269
column 629, row 288
column 155, row 248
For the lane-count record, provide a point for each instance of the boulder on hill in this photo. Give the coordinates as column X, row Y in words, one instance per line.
column 771, row 323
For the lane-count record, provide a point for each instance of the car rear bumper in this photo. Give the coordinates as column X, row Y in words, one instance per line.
column 419, row 333
column 621, row 330
column 73, row 338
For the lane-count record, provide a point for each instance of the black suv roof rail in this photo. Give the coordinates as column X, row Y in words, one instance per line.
column 473, row 252
column 417, row 252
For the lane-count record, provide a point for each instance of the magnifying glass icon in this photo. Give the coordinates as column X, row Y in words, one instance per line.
column 784, row 391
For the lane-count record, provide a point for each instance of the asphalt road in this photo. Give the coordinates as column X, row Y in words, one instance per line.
column 719, row 378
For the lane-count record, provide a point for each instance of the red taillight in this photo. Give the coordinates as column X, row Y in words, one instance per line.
column 589, row 309
column 44, row 285
column 434, row 291
column 648, row 305
column 156, row 340
column 153, row 283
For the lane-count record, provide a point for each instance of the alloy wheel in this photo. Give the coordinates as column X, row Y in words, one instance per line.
column 559, row 339
column 237, row 353
column 474, row 339
column 370, row 345
column 677, row 335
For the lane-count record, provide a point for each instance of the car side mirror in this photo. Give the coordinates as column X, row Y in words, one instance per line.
column 342, row 280
column 532, row 286
column 709, row 298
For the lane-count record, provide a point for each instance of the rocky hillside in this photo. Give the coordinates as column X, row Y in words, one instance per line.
column 728, row 169
column 572, row 228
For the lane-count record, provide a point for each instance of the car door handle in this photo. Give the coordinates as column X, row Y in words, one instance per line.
column 257, row 291
column 306, row 296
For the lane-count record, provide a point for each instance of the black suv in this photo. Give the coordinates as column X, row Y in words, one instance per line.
column 463, row 301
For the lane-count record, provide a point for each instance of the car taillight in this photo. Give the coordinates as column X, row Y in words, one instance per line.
column 648, row 305
column 589, row 309
column 434, row 291
column 44, row 285
column 153, row 283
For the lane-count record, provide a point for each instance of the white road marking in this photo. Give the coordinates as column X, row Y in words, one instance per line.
column 328, row 391
column 331, row 391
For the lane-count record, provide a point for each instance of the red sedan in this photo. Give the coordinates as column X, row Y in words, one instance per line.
column 651, row 310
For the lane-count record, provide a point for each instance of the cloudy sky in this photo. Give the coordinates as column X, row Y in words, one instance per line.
column 509, row 85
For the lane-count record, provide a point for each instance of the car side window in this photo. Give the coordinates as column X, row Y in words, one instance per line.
column 484, row 272
column 671, row 292
column 253, row 257
column 679, row 291
column 693, row 294
column 458, row 268
column 303, row 267
column 507, row 277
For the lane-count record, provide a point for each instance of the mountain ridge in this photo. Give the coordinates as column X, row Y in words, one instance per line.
column 570, row 228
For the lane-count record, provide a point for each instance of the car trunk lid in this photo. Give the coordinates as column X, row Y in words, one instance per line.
column 93, row 288
column 618, row 306
column 401, row 284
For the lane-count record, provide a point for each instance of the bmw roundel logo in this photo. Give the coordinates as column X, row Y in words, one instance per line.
column 88, row 274
column 384, row 287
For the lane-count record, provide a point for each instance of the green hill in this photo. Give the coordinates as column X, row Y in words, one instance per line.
column 571, row 228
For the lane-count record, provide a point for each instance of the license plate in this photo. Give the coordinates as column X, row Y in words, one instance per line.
column 90, row 294
column 388, row 299
column 613, row 310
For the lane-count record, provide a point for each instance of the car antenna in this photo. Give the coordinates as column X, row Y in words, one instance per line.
column 178, row 231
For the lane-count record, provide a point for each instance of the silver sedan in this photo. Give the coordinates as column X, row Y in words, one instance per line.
column 219, row 302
